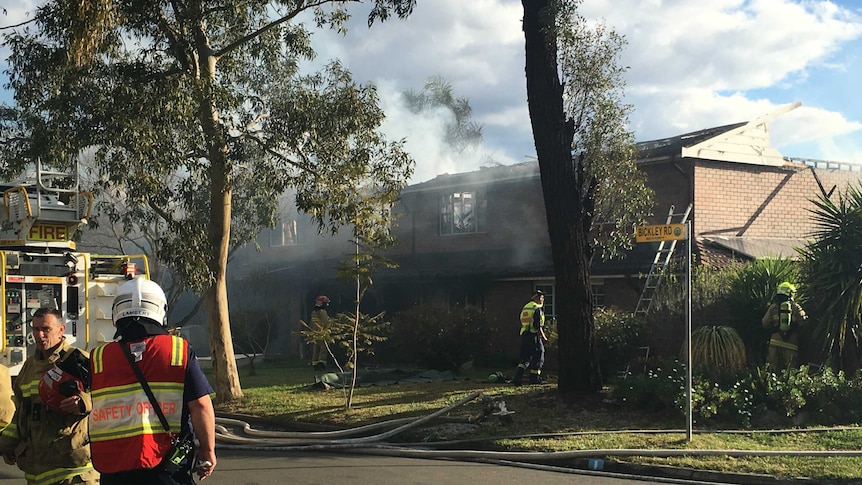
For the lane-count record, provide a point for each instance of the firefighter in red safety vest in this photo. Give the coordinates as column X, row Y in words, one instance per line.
column 532, row 354
column 783, row 319
column 320, row 322
column 130, row 444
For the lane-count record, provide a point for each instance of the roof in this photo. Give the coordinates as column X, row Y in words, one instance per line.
column 758, row 247
column 497, row 173
column 666, row 147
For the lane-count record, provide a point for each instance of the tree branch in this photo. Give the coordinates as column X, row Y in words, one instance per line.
column 266, row 28
column 9, row 27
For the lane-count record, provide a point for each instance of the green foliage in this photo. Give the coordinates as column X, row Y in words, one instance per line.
column 618, row 335
column 593, row 90
column 338, row 337
column 437, row 338
column 657, row 390
column 197, row 112
column 709, row 287
column 752, row 287
column 758, row 398
column 717, row 351
column 832, row 270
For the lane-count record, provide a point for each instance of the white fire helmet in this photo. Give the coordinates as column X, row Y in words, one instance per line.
column 141, row 298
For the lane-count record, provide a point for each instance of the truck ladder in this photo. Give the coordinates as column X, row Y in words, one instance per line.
column 660, row 262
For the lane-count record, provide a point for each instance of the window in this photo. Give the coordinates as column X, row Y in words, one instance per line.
column 598, row 295
column 550, row 311
column 463, row 297
column 284, row 233
column 459, row 213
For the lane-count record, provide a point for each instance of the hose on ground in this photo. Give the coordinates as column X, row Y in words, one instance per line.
column 328, row 440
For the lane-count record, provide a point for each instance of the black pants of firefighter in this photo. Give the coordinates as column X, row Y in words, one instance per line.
column 532, row 356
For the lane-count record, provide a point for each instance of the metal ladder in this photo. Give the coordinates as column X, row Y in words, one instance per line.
column 660, row 262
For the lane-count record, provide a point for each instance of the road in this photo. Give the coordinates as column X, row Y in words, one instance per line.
column 311, row 468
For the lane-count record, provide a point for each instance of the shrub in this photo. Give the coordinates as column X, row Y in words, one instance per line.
column 437, row 338
column 618, row 335
column 717, row 352
column 658, row 389
column 792, row 397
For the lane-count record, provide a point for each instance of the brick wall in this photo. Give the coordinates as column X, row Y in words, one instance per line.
column 756, row 201
column 514, row 215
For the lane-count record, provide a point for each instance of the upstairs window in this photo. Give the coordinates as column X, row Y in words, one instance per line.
column 459, row 213
column 284, row 233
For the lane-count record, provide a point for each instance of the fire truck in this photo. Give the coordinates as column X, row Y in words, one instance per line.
column 40, row 266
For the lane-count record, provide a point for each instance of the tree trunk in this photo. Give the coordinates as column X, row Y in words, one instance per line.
column 227, row 386
column 225, row 372
column 567, row 206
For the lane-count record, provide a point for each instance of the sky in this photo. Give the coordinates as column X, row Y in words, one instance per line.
column 691, row 66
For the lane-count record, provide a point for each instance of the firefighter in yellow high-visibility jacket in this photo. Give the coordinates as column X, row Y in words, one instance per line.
column 783, row 319
column 320, row 322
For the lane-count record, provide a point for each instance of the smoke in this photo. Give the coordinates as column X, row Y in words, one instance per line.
column 425, row 137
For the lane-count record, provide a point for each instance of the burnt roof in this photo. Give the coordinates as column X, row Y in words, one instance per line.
column 498, row 173
column 673, row 146
column 646, row 150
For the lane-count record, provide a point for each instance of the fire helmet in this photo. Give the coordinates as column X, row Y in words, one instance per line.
column 140, row 298
column 321, row 301
column 67, row 378
column 786, row 289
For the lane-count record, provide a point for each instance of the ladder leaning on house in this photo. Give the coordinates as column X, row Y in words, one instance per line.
column 660, row 262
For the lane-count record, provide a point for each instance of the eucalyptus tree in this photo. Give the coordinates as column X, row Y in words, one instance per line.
column 201, row 117
column 593, row 193
column 832, row 270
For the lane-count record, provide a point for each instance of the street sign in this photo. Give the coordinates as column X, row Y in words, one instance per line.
column 660, row 232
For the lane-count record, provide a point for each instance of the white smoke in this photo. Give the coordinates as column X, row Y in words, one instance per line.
column 425, row 138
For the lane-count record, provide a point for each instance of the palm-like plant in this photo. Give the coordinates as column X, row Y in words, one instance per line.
column 717, row 351
column 832, row 270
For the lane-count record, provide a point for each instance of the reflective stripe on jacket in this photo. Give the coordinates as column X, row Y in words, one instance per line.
column 527, row 317
column 785, row 314
column 48, row 446
column 126, row 433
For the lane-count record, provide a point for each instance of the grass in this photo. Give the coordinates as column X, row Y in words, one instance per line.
column 544, row 420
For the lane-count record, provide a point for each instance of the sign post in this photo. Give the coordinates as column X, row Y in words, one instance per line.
column 677, row 232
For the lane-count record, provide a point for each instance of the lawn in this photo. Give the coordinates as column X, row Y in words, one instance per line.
column 543, row 420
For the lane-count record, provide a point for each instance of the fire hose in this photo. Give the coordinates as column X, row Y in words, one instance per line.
column 356, row 440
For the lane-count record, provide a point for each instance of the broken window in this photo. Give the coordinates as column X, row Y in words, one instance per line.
column 285, row 233
column 459, row 213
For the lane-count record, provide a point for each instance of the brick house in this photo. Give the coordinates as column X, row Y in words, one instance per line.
column 480, row 238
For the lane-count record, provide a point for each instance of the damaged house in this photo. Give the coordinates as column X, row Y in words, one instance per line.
column 480, row 238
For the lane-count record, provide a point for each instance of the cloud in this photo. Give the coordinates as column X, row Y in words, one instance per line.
column 692, row 65
column 724, row 44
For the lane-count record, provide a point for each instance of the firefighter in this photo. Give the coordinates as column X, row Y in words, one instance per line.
column 49, row 442
column 134, row 448
column 532, row 354
column 320, row 323
column 783, row 319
